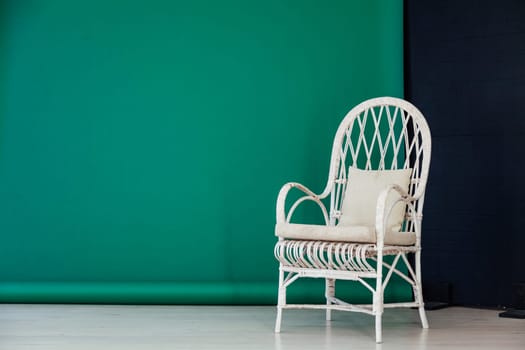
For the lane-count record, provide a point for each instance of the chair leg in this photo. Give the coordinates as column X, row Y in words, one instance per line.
column 281, row 301
column 378, row 298
column 278, row 320
column 419, row 291
column 423, row 316
column 378, row 310
column 379, row 331
column 329, row 293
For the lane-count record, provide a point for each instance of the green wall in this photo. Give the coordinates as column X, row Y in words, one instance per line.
column 143, row 143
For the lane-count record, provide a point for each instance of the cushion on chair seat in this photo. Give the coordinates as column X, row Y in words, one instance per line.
column 357, row 234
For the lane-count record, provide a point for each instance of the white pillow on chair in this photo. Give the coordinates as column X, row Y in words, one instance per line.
column 362, row 191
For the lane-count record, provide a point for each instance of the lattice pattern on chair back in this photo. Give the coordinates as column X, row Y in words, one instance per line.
column 381, row 134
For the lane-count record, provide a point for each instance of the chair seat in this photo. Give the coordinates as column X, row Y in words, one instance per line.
column 355, row 234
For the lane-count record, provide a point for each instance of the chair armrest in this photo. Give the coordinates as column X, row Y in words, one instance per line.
column 281, row 201
column 382, row 212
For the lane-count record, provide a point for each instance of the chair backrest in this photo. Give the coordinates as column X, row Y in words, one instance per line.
column 383, row 133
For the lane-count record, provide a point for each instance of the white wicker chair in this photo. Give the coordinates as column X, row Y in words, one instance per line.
column 379, row 135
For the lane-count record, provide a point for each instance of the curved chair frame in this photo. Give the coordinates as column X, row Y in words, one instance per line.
column 378, row 134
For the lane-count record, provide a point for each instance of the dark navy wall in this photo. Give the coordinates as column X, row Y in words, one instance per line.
column 465, row 69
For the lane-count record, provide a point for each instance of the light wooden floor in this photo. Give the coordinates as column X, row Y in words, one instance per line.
column 99, row 327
